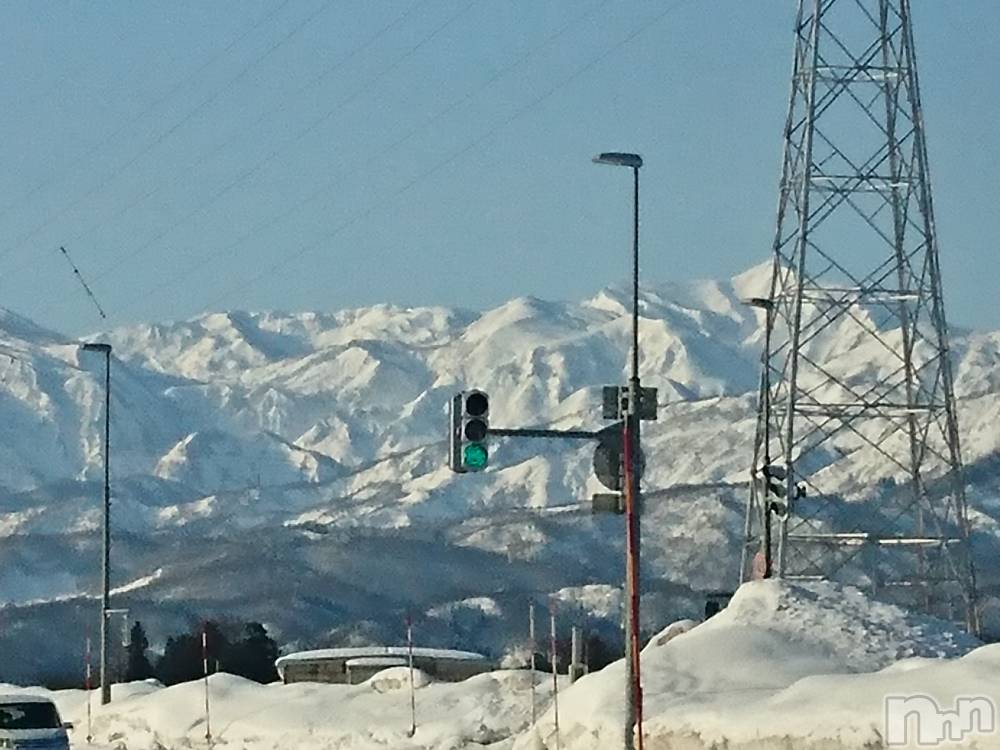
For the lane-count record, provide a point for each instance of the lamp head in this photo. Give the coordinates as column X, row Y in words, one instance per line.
column 762, row 302
column 618, row 159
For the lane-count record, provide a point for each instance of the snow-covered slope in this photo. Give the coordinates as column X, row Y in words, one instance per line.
column 310, row 446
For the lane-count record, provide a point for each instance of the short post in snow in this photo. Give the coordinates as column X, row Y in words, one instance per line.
column 413, row 693
column 204, row 667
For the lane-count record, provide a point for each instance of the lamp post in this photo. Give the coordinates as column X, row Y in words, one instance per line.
column 106, row 522
column 767, row 305
column 633, row 686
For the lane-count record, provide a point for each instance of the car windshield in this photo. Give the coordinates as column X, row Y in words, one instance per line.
column 29, row 716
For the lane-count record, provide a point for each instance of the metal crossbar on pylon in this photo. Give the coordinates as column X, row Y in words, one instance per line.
column 857, row 461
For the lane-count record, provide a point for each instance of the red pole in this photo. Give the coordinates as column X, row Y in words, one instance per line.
column 632, row 578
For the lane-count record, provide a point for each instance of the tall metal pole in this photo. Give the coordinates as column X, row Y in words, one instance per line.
column 633, row 691
column 105, row 349
column 106, row 552
column 633, row 497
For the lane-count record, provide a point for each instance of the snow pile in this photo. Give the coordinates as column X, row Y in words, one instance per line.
column 783, row 661
column 398, row 678
column 842, row 622
column 145, row 716
column 786, row 666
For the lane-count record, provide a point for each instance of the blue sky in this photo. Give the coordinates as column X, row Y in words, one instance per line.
column 316, row 154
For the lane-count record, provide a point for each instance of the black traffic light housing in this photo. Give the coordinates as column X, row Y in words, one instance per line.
column 469, row 425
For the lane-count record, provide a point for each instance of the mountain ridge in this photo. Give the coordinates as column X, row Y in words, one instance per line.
column 296, row 434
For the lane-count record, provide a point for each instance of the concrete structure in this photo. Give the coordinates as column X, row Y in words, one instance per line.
column 355, row 665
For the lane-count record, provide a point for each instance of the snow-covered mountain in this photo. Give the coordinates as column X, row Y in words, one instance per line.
column 291, row 467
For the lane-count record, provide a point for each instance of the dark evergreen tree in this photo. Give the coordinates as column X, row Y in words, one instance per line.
column 182, row 657
column 137, row 666
column 254, row 655
column 180, row 661
column 600, row 653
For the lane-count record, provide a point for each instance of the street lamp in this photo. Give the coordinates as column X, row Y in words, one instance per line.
column 767, row 305
column 633, row 686
column 106, row 519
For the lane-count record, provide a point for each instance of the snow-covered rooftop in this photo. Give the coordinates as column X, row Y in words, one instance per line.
column 367, row 652
column 377, row 661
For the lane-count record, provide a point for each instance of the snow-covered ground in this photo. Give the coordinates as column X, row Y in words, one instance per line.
column 803, row 667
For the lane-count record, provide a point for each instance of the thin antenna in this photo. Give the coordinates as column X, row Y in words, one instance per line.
column 86, row 288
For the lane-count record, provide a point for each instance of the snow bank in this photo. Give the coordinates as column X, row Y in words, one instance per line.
column 785, row 665
column 841, row 621
column 804, row 666
column 398, row 678
column 485, row 709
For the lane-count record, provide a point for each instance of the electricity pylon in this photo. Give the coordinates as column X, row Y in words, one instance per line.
column 856, row 377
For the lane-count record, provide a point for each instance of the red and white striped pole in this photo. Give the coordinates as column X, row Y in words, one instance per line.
column 534, row 648
column 87, row 682
column 554, row 658
column 204, row 665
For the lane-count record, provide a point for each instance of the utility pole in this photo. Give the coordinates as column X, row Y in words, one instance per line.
column 106, row 523
column 633, row 497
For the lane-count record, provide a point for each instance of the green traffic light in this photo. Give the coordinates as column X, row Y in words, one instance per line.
column 474, row 456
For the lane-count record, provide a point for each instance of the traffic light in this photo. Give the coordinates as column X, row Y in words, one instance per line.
column 609, row 458
column 470, row 424
column 774, row 475
column 774, row 472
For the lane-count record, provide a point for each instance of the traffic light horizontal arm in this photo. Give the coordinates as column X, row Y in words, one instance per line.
column 538, row 433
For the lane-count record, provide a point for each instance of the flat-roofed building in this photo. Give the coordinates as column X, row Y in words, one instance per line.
column 357, row 664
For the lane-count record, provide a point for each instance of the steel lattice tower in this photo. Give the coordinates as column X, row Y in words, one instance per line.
column 856, row 373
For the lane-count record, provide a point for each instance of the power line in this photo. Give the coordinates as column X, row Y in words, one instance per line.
column 220, row 147
column 283, row 265
column 204, row 103
column 274, row 153
column 383, row 152
column 156, row 103
column 83, row 283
